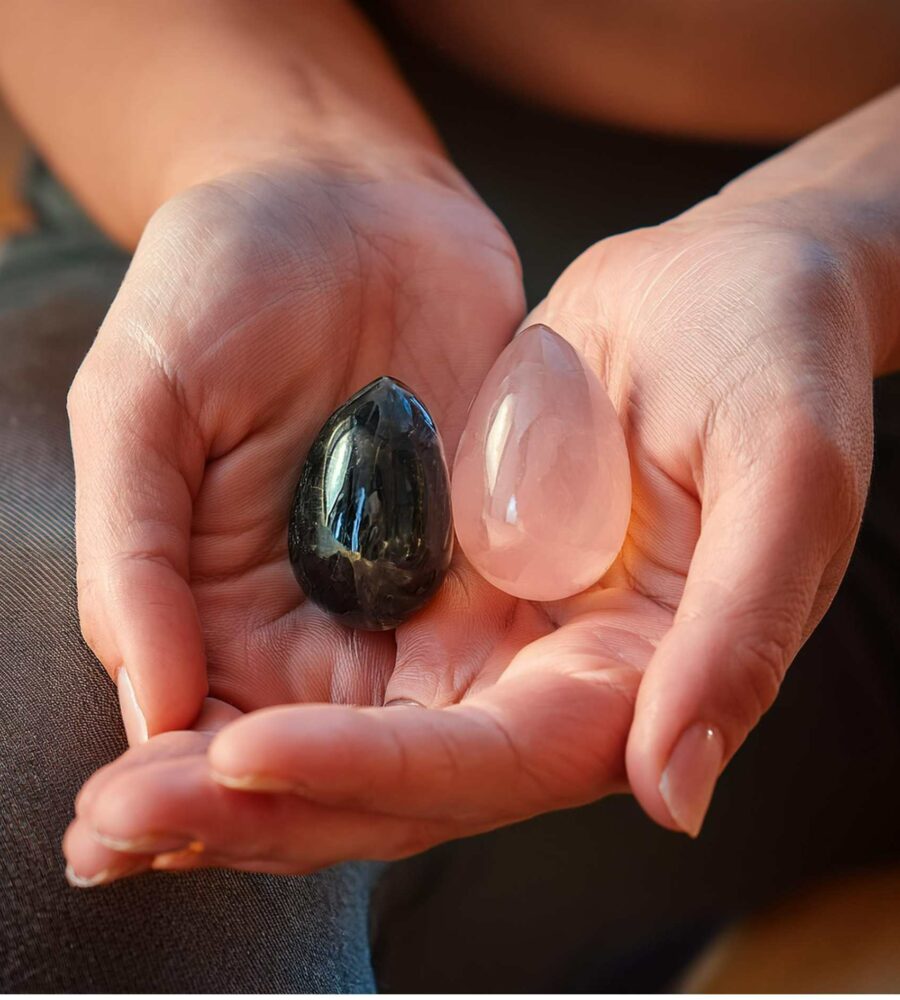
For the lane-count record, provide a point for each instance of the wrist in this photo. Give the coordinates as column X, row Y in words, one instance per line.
column 338, row 149
column 848, row 247
column 248, row 83
column 871, row 241
column 859, row 240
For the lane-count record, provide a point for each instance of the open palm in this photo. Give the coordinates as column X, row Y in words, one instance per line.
column 530, row 707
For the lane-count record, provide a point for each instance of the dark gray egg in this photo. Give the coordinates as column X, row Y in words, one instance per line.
column 371, row 533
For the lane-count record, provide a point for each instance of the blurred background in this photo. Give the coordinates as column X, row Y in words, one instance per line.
column 13, row 216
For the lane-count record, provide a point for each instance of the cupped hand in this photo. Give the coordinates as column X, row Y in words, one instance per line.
column 735, row 345
column 256, row 304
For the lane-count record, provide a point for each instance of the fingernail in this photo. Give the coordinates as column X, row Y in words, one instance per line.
column 151, row 843
column 103, row 877
column 86, row 881
column 689, row 779
column 132, row 716
column 257, row 783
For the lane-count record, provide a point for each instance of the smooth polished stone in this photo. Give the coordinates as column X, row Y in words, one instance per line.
column 371, row 535
column 541, row 481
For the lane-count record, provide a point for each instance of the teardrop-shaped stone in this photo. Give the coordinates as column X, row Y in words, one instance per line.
column 541, row 481
column 371, row 535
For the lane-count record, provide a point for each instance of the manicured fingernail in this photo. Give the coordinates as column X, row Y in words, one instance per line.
column 688, row 781
column 132, row 716
column 256, row 783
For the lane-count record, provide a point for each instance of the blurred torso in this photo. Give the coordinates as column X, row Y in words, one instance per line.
column 765, row 70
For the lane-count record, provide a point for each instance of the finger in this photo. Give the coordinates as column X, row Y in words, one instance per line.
column 138, row 459
column 166, row 746
column 90, row 863
column 752, row 595
column 174, row 809
column 191, row 860
column 550, row 733
column 213, row 716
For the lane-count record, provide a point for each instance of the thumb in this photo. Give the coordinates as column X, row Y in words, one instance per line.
column 774, row 543
column 138, row 461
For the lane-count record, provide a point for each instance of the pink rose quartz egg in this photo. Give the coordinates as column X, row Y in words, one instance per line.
column 541, row 482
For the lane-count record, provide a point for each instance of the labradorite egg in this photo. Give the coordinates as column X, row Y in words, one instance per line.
column 371, row 535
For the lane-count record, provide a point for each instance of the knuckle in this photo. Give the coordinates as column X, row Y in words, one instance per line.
column 763, row 659
column 751, row 653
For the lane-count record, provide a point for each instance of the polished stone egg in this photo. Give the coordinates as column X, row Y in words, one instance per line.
column 371, row 534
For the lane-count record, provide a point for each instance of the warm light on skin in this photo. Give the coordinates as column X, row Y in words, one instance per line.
column 722, row 69
column 215, row 598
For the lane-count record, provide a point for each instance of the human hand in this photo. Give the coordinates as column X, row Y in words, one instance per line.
column 735, row 346
column 738, row 343
column 255, row 304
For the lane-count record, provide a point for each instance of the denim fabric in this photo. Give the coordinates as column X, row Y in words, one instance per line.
column 59, row 721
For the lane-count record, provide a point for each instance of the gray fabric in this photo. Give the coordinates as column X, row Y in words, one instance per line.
column 218, row 932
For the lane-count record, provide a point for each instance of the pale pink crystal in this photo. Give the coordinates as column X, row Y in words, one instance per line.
column 541, row 483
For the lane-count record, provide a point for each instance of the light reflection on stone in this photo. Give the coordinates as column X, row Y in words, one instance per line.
column 541, row 481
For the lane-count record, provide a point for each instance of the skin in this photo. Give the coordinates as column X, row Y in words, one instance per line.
column 765, row 71
column 737, row 341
